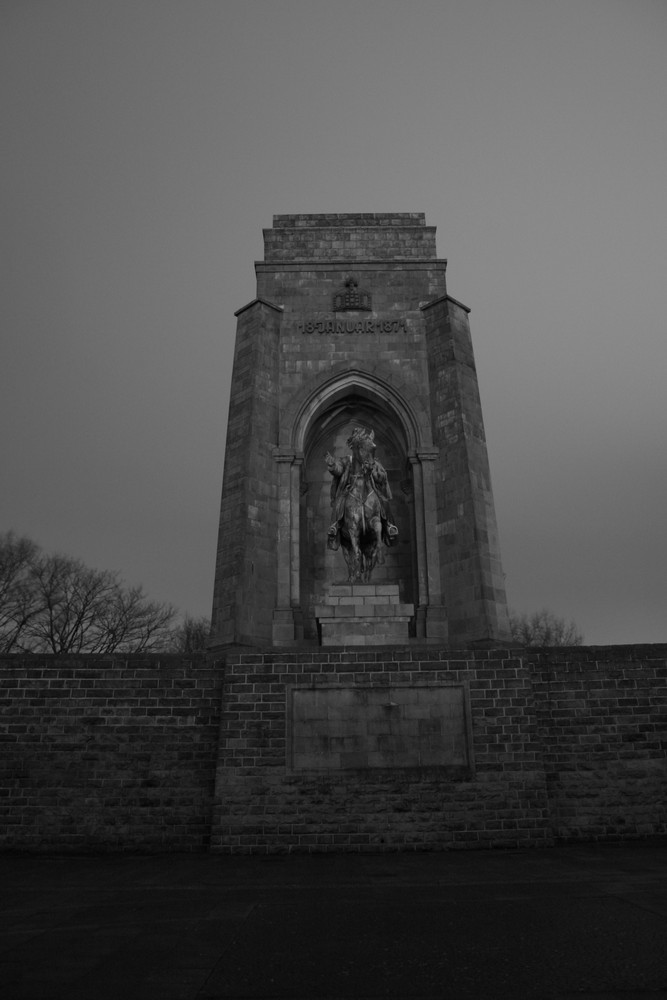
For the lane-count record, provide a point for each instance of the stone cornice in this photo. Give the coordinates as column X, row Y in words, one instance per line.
column 259, row 301
column 445, row 298
column 351, row 264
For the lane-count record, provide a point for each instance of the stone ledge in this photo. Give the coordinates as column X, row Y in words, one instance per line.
column 363, row 589
column 365, row 595
column 360, row 612
column 348, row 219
column 342, row 264
column 349, row 629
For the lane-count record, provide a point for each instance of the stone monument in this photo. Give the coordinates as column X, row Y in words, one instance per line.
column 356, row 500
column 360, row 497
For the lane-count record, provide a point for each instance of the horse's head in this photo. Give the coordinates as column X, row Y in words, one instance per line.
column 362, row 443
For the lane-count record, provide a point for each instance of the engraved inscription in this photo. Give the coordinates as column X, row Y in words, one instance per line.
column 380, row 727
column 334, row 326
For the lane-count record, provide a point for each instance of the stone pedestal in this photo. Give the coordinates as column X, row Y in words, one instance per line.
column 363, row 615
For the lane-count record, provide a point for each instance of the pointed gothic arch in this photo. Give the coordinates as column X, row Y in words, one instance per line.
column 379, row 385
column 320, row 418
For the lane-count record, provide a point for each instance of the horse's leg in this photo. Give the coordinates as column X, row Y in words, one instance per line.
column 353, row 522
column 367, row 559
column 348, row 552
column 356, row 576
column 375, row 551
column 355, row 567
column 349, row 562
column 379, row 548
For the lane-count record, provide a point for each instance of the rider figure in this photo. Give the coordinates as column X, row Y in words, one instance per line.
column 350, row 472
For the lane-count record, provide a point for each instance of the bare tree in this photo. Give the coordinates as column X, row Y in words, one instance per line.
column 131, row 622
column 56, row 604
column 71, row 600
column 543, row 628
column 192, row 635
column 17, row 607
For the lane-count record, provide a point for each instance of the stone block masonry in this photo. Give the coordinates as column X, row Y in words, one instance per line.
column 544, row 745
column 602, row 721
column 244, row 593
column 108, row 753
column 353, row 326
column 378, row 236
column 387, row 726
column 489, row 789
column 363, row 615
column 340, row 749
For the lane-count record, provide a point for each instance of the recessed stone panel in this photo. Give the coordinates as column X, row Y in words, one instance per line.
column 336, row 728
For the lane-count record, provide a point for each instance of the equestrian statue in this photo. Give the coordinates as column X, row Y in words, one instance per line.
column 360, row 496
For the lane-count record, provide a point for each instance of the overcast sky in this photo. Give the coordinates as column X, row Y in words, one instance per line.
column 147, row 143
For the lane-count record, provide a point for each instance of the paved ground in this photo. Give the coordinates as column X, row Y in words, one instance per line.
column 573, row 922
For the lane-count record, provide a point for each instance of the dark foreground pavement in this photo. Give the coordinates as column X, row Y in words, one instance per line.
column 563, row 923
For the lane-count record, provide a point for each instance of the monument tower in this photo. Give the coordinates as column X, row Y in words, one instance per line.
column 354, row 377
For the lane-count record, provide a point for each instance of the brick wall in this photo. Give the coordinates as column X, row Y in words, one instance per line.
column 410, row 748
column 562, row 745
column 107, row 753
column 602, row 720
column 262, row 804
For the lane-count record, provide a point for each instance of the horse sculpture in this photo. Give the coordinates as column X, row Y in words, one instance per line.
column 360, row 496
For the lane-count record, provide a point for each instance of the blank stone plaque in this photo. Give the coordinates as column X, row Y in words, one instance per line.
column 338, row 728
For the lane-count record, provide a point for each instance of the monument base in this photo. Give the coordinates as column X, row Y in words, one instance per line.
column 363, row 614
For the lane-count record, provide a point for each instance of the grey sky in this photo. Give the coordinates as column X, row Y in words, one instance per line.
column 148, row 142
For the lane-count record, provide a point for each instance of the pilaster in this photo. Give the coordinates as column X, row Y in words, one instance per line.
column 245, row 580
column 464, row 522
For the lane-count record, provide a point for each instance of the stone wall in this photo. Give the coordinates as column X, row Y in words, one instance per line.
column 602, row 720
column 391, row 235
column 107, row 753
column 560, row 744
column 497, row 798
column 411, row 747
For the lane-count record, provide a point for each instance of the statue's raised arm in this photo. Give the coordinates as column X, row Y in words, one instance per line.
column 334, row 465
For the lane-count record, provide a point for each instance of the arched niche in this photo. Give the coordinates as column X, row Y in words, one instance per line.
column 329, row 431
column 319, row 419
